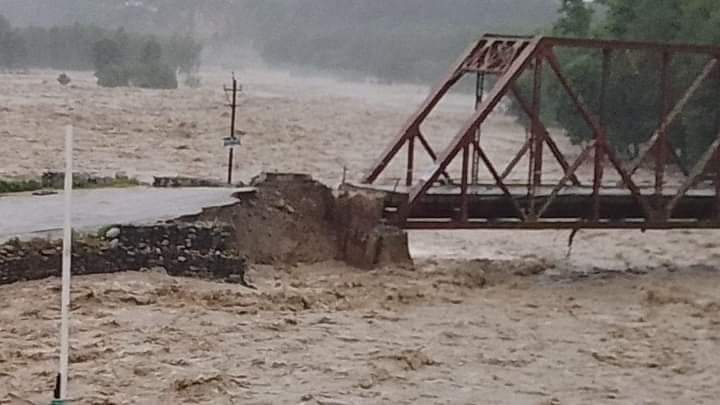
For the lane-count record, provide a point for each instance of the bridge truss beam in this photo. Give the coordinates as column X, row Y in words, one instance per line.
column 426, row 201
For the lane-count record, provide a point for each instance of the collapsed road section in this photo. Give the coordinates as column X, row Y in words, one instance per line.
column 283, row 218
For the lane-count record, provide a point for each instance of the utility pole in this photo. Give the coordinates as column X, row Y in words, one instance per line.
column 232, row 141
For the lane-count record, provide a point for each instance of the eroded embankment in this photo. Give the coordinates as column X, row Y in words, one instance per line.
column 293, row 218
column 288, row 218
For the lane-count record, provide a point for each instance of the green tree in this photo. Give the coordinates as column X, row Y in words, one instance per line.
column 110, row 67
column 106, row 52
column 118, row 57
column 152, row 53
column 152, row 71
column 632, row 102
column 154, row 76
column 12, row 46
column 575, row 19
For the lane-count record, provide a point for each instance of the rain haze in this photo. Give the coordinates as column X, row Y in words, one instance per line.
column 359, row 201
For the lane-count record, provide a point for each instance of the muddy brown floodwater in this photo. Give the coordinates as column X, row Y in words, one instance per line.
column 484, row 317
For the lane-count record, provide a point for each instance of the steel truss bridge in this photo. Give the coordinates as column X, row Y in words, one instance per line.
column 429, row 198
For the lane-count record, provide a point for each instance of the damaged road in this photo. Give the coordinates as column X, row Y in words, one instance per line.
column 25, row 215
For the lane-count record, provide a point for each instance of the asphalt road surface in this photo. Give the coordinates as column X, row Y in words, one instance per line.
column 26, row 216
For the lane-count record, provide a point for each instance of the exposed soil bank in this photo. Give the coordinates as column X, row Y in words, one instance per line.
column 293, row 218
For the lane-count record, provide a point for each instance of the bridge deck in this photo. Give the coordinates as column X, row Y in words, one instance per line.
column 574, row 207
column 544, row 190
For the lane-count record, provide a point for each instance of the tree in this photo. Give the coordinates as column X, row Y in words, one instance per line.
column 152, row 71
column 115, row 67
column 154, row 76
column 106, row 52
column 110, row 68
column 151, row 53
column 575, row 19
column 12, row 46
column 632, row 102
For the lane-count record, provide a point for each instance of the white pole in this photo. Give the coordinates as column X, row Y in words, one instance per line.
column 66, row 265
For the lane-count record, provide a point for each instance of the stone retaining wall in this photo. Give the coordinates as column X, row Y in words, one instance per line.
column 188, row 250
column 178, row 181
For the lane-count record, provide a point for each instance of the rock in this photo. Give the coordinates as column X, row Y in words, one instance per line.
column 48, row 252
column 366, row 384
column 181, row 259
column 114, row 244
column 185, row 182
column 112, row 233
column 80, row 178
column 64, row 79
column 239, row 279
column 42, row 193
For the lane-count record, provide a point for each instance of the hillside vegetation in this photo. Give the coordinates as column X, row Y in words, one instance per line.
column 394, row 40
column 633, row 96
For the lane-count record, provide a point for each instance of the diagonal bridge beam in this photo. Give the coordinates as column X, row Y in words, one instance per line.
column 567, row 204
column 465, row 135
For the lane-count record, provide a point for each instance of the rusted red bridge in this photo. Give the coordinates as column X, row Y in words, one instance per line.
column 612, row 197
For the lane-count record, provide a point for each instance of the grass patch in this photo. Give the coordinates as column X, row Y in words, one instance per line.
column 56, row 181
column 19, row 186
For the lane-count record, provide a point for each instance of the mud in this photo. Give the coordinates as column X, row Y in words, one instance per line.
column 332, row 334
column 292, row 218
column 482, row 317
